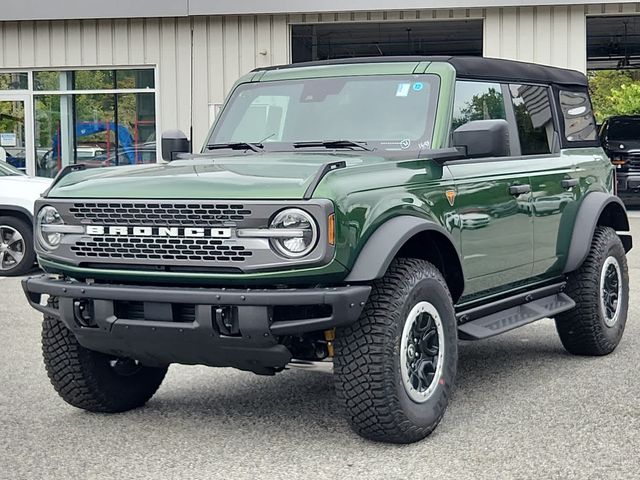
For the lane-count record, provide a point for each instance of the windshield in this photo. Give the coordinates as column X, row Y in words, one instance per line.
column 7, row 170
column 624, row 129
column 390, row 112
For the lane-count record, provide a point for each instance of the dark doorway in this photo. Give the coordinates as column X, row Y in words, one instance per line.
column 346, row 40
column 613, row 42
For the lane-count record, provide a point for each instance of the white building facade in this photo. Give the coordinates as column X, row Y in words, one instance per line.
column 169, row 64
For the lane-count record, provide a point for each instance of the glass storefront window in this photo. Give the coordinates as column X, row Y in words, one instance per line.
column 136, row 116
column 94, row 80
column 12, row 133
column 46, row 80
column 142, row 78
column 98, row 129
column 124, row 79
column 47, row 134
column 14, row 81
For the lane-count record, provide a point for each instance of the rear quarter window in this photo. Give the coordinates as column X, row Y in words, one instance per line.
column 577, row 116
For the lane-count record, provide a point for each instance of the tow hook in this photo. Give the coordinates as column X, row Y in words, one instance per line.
column 83, row 313
column 227, row 321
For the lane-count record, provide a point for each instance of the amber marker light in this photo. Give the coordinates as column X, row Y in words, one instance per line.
column 331, row 230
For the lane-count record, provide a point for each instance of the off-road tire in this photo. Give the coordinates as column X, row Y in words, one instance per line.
column 85, row 379
column 583, row 330
column 29, row 258
column 367, row 368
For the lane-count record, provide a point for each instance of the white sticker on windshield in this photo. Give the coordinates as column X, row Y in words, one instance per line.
column 403, row 89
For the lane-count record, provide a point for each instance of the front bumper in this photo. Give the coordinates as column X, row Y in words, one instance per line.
column 161, row 325
column 628, row 186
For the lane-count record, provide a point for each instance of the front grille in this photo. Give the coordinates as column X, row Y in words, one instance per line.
column 153, row 248
column 164, row 214
column 634, row 162
column 157, row 234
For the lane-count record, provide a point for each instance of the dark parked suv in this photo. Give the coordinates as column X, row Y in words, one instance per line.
column 620, row 137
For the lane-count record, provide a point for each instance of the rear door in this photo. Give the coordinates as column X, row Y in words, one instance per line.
column 554, row 176
column 496, row 226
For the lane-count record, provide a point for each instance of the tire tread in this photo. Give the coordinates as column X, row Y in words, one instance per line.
column 364, row 382
column 77, row 375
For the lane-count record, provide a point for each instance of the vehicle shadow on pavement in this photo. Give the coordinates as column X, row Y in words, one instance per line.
column 242, row 403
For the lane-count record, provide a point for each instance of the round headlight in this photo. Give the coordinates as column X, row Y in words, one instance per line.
column 303, row 229
column 47, row 217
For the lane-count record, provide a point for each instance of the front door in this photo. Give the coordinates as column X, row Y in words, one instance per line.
column 16, row 132
column 495, row 221
column 496, row 225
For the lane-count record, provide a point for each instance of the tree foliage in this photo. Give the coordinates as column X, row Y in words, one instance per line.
column 614, row 92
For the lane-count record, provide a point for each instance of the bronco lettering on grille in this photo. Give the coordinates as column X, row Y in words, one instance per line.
column 188, row 232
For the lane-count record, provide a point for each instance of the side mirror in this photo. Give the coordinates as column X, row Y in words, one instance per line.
column 174, row 142
column 483, row 138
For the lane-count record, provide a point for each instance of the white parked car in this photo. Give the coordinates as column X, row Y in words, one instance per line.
column 18, row 193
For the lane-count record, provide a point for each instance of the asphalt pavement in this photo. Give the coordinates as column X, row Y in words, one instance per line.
column 523, row 408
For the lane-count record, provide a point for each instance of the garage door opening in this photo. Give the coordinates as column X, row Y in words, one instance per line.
column 347, row 40
column 613, row 63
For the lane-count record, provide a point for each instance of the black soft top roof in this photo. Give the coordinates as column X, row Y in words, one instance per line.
column 472, row 67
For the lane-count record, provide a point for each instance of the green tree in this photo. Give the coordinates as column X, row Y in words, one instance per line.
column 624, row 100
column 614, row 92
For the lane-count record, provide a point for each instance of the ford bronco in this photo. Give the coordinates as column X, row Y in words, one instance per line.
column 364, row 214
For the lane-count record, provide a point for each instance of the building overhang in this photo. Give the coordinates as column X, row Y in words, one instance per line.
column 88, row 9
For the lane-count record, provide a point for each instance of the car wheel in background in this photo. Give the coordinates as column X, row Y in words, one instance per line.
column 17, row 254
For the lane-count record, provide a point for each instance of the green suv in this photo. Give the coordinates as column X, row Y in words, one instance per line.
column 362, row 214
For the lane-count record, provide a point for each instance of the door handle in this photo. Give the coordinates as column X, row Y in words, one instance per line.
column 569, row 182
column 516, row 190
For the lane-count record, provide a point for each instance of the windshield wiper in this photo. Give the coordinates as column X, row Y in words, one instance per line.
column 256, row 147
column 333, row 144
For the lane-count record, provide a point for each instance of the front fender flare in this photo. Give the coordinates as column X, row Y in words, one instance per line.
column 383, row 245
column 587, row 219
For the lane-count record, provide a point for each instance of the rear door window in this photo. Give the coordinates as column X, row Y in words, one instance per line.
column 534, row 118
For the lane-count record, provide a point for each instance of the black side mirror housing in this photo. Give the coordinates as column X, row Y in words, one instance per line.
column 174, row 142
column 483, row 138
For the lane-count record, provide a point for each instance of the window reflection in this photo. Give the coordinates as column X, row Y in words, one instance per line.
column 14, row 81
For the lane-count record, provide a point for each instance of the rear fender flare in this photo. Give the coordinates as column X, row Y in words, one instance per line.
column 597, row 208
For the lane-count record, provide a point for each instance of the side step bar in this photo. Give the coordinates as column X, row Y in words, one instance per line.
column 512, row 317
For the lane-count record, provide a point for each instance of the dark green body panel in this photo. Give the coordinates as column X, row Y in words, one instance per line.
column 505, row 241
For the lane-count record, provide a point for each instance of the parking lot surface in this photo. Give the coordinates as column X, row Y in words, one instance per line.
column 523, row 408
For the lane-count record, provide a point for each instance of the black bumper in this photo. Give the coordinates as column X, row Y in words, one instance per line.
column 161, row 325
column 628, row 184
